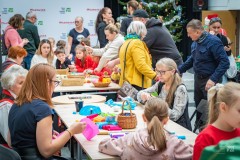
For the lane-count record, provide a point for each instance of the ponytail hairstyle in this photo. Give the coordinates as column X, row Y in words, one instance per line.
column 100, row 17
column 83, row 49
column 228, row 93
column 177, row 80
column 155, row 111
column 134, row 4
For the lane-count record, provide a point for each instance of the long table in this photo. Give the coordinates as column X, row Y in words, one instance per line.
column 91, row 147
column 87, row 87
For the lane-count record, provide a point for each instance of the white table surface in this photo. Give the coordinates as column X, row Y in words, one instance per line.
column 91, row 147
column 86, row 87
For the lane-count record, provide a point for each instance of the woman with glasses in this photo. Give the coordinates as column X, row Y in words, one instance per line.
column 171, row 89
column 75, row 36
column 44, row 54
column 215, row 25
column 30, row 118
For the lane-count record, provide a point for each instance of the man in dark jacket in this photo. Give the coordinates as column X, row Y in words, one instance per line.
column 208, row 59
column 158, row 39
column 30, row 32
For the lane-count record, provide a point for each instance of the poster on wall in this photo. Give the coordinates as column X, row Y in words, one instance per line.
column 55, row 18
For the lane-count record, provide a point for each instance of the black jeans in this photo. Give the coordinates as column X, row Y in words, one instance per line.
column 199, row 90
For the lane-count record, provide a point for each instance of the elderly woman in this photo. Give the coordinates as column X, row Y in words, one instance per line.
column 110, row 51
column 15, row 56
column 11, row 81
column 171, row 89
column 134, row 58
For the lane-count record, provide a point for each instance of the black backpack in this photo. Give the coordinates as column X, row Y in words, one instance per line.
column 4, row 47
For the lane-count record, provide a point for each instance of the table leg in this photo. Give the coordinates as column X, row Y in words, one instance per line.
column 79, row 152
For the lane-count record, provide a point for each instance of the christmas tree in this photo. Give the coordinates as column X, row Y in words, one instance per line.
column 169, row 11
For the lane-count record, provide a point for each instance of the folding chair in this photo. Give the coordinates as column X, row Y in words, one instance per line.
column 9, row 154
column 202, row 108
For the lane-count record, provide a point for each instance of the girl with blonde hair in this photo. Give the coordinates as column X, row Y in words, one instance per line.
column 151, row 142
column 224, row 117
column 171, row 89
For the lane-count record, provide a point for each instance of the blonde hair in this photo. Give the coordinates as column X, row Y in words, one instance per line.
column 171, row 65
column 155, row 111
column 50, row 55
column 112, row 28
column 229, row 94
column 36, row 84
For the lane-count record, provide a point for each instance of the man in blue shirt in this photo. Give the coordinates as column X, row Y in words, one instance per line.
column 208, row 59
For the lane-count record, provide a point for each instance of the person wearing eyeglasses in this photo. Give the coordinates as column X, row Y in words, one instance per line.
column 11, row 82
column 30, row 32
column 215, row 25
column 208, row 59
column 171, row 89
column 30, row 118
column 75, row 36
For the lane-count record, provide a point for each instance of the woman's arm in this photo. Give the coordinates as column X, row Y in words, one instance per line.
column 46, row 145
column 180, row 102
column 69, row 46
column 149, row 90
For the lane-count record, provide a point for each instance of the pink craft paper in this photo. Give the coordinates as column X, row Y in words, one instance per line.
column 91, row 129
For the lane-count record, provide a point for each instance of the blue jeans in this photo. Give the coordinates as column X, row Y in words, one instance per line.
column 27, row 60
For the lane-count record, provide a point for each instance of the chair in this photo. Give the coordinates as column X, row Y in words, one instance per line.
column 202, row 108
column 8, row 154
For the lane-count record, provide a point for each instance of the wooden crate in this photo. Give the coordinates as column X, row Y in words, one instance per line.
column 62, row 71
column 73, row 81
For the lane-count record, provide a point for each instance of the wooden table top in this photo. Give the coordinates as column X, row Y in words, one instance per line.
column 86, row 87
column 91, row 147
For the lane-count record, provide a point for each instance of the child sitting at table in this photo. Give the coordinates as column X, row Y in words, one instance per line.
column 223, row 117
column 62, row 61
column 83, row 61
column 151, row 142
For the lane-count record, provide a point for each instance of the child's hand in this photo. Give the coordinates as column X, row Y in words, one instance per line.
column 77, row 127
column 70, row 56
column 73, row 69
column 55, row 134
column 88, row 71
column 96, row 70
column 71, row 66
column 145, row 96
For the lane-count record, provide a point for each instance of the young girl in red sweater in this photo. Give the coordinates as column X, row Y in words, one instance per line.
column 83, row 61
column 224, row 117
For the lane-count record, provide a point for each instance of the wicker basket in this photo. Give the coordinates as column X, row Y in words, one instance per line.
column 73, row 81
column 101, row 84
column 62, row 71
column 127, row 122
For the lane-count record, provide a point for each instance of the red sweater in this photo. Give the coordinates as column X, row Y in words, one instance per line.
column 89, row 64
column 211, row 136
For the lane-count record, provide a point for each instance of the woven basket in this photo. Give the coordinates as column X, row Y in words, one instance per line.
column 62, row 71
column 101, row 84
column 79, row 75
column 127, row 122
column 73, row 81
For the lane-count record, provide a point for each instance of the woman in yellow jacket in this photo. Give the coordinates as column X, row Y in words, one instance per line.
column 137, row 69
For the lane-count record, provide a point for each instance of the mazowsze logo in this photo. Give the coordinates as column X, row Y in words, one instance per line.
column 93, row 9
column 7, row 10
column 63, row 36
column 91, row 23
column 38, row 9
column 40, row 23
column 64, row 10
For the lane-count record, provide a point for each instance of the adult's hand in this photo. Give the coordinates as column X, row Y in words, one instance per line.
column 209, row 84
